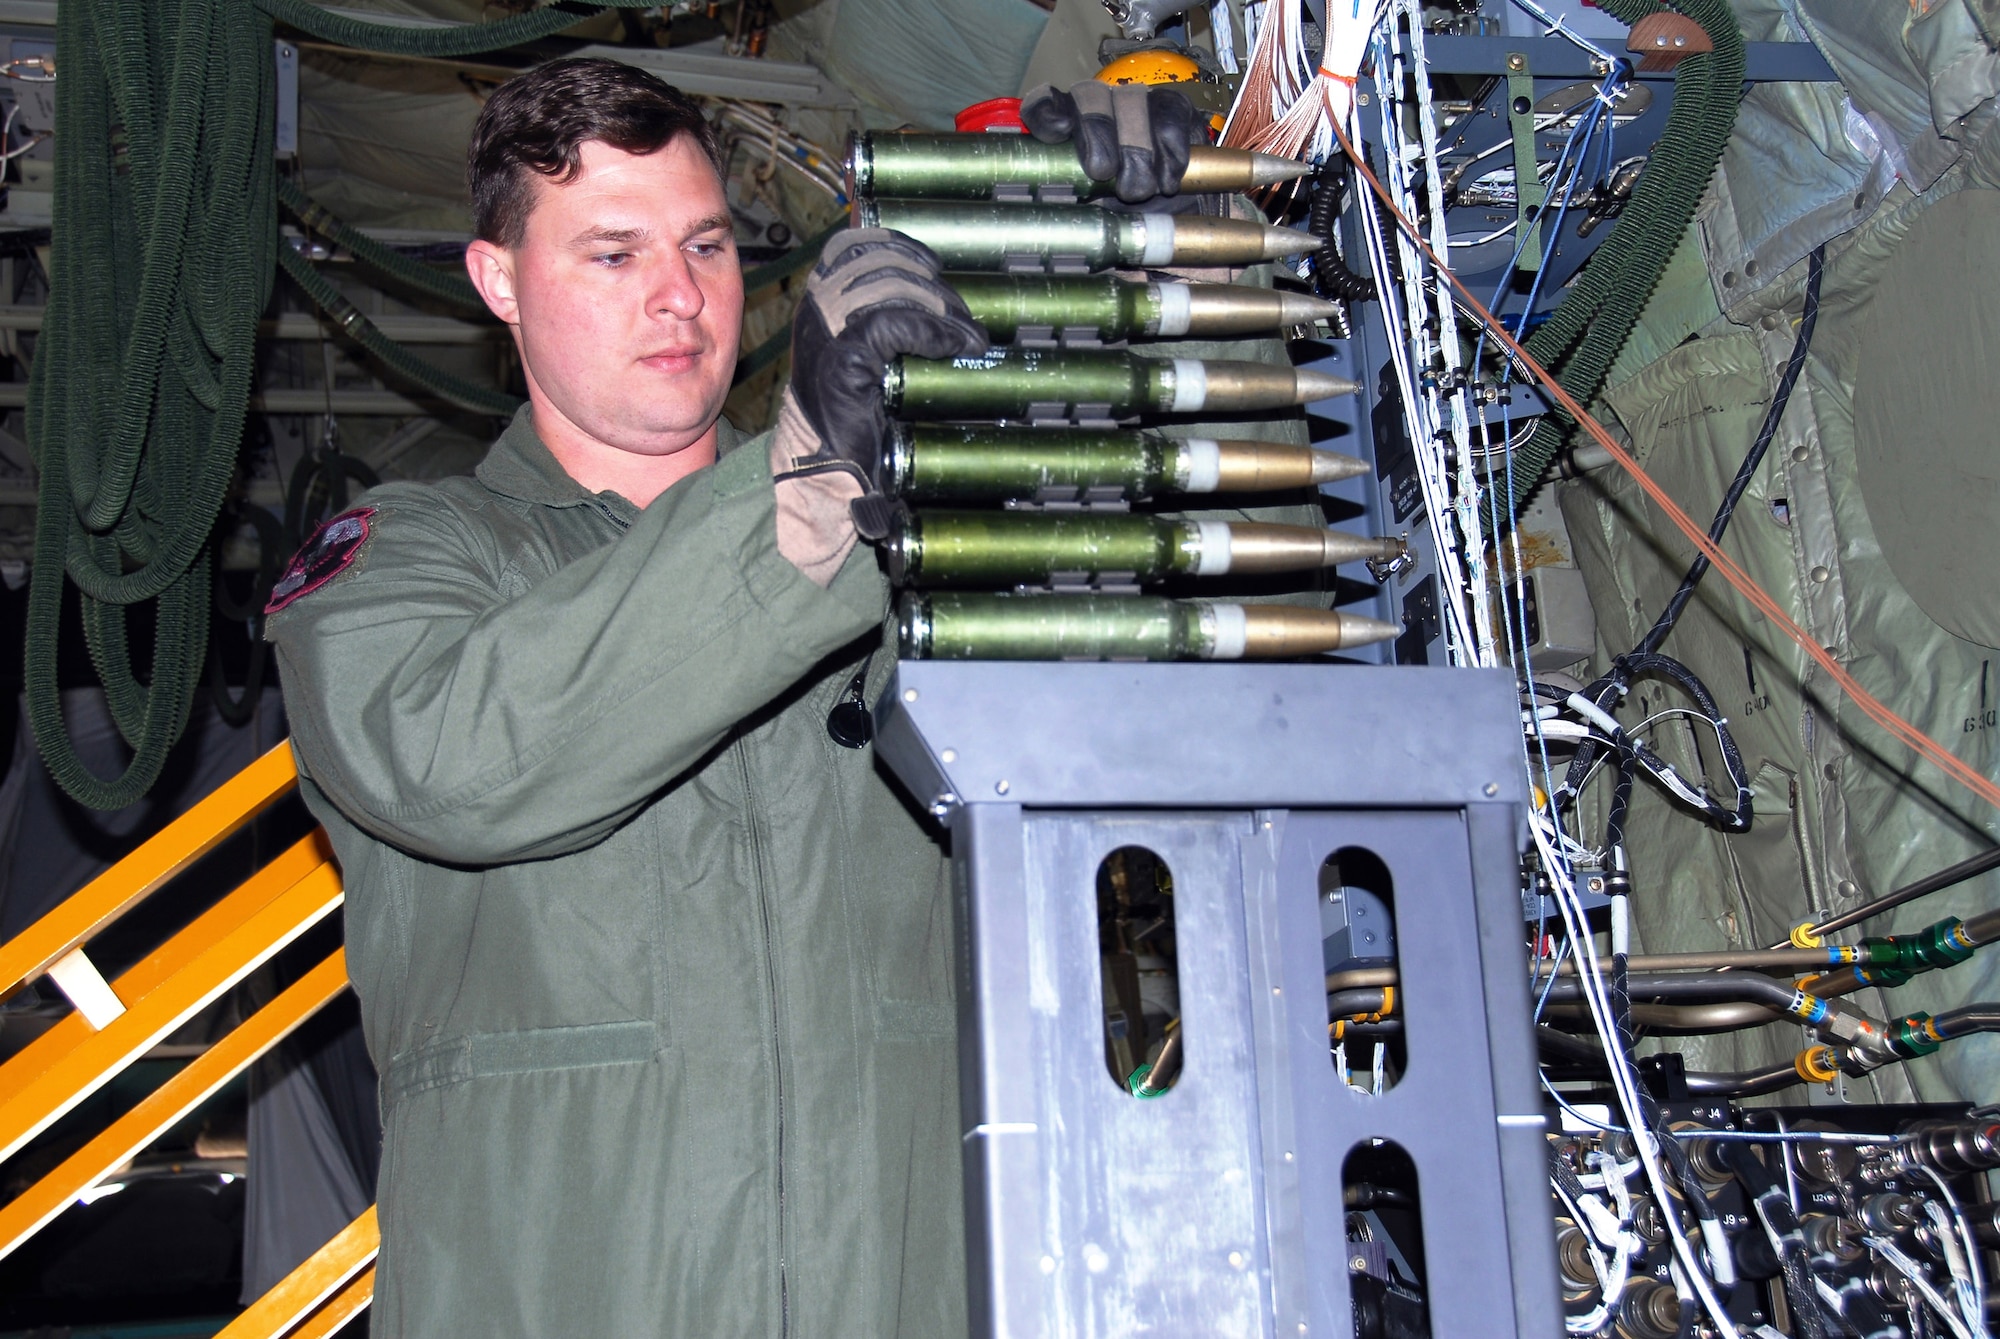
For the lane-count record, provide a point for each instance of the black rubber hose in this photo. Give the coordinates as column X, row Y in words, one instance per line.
column 1623, row 670
column 1782, row 1225
column 1347, row 1003
column 1815, row 270
column 1691, row 986
column 1564, row 1175
column 1747, row 1083
column 1692, row 1189
column 272, row 551
column 336, row 469
column 237, row 712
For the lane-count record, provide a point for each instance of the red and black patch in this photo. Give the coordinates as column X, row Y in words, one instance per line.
column 331, row 551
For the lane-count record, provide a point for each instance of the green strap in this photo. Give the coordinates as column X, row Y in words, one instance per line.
column 465, row 39
column 363, row 331
column 442, row 284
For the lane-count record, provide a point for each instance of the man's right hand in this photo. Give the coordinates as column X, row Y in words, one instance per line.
column 874, row 294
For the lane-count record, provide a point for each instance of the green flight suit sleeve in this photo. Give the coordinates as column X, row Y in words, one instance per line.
column 467, row 724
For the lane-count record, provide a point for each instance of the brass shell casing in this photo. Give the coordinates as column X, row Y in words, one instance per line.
column 919, row 166
column 1261, row 546
column 1278, row 631
column 1258, row 467
column 1200, row 240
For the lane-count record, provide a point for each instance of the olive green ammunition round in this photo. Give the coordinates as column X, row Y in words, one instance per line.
column 1120, row 627
column 1075, row 238
column 932, row 462
column 1046, row 383
column 951, row 548
column 1102, row 307
column 981, row 167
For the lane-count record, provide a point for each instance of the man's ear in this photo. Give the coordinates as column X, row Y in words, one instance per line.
column 491, row 269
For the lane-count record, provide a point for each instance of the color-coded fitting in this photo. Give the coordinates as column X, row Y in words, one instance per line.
column 937, row 462
column 949, row 548
column 1891, row 960
column 887, row 165
column 1120, row 627
column 1054, row 384
column 1914, row 1035
column 1104, row 308
column 1075, row 239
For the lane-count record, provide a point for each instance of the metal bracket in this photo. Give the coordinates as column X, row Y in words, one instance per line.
column 1528, row 194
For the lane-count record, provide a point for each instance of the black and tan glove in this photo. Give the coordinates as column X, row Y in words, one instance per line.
column 874, row 294
column 1133, row 135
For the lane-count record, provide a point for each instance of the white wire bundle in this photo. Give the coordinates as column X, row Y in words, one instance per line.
column 1624, row 1079
column 758, row 131
column 1448, row 407
column 1410, row 347
column 1282, row 110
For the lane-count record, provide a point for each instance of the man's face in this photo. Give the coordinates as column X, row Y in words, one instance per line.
column 626, row 296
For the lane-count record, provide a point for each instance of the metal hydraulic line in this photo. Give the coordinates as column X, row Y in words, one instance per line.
column 1944, row 878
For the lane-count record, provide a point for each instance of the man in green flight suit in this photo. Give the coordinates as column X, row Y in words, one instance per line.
column 657, row 971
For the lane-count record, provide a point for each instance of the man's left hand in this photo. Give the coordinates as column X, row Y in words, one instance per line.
column 874, row 295
column 1134, row 135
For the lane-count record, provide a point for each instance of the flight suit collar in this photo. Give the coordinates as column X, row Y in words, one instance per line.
column 519, row 466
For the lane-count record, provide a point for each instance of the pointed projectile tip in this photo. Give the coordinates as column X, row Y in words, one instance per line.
column 1282, row 242
column 1330, row 467
column 1360, row 630
column 1313, row 386
column 1267, row 169
column 1304, row 308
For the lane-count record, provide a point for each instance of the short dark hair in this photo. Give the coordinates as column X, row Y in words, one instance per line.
column 539, row 122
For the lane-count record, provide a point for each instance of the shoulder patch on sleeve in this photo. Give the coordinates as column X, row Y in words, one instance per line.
column 330, row 551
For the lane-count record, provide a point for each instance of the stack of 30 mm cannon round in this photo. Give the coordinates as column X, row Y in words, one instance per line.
column 1010, row 219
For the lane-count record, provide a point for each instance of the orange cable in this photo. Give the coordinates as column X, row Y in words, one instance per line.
column 1876, row 710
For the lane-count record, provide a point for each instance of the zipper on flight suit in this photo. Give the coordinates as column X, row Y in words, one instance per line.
column 741, row 749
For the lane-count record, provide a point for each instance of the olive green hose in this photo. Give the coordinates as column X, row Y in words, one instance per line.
column 161, row 261
column 363, row 331
column 1583, row 335
column 445, row 285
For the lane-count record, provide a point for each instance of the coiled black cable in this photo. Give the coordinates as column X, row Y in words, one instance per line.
column 274, row 546
column 1331, row 277
column 305, row 502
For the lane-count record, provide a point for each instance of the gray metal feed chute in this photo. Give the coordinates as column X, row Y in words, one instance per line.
column 1242, row 780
